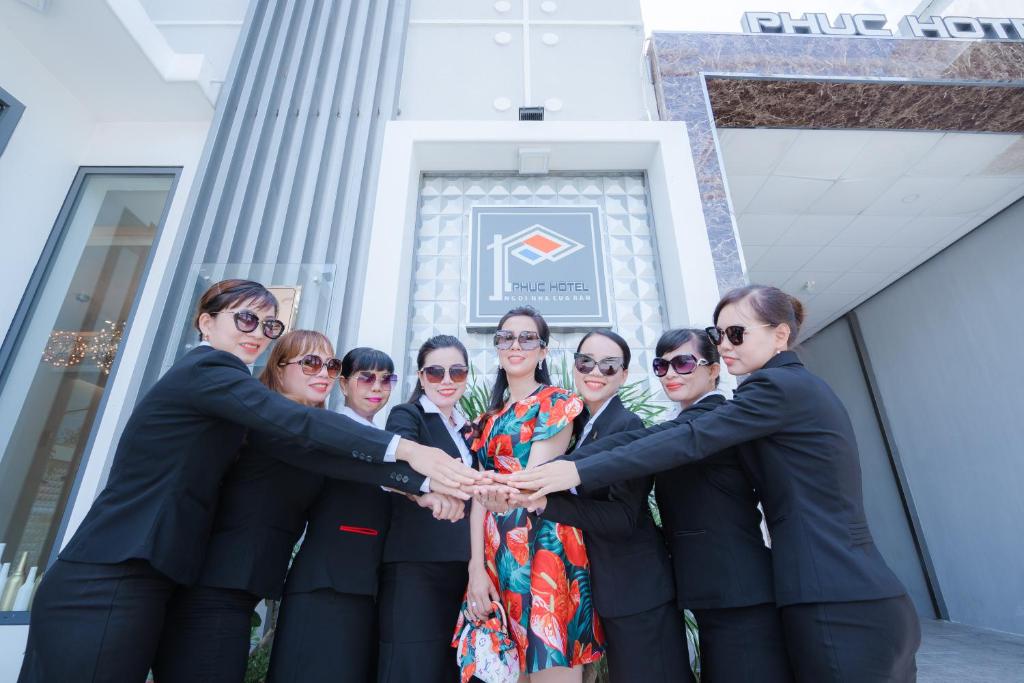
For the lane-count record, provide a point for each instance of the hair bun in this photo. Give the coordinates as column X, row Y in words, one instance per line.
column 798, row 310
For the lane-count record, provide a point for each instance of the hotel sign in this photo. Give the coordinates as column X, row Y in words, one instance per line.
column 548, row 257
column 873, row 25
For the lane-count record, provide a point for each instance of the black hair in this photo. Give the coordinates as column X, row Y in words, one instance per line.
column 227, row 293
column 540, row 373
column 440, row 341
column 673, row 339
column 615, row 337
column 770, row 304
column 365, row 358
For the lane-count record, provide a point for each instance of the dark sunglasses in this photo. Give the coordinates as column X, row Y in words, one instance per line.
column 607, row 366
column 435, row 373
column 528, row 341
column 734, row 333
column 247, row 321
column 311, row 364
column 388, row 380
column 683, row 364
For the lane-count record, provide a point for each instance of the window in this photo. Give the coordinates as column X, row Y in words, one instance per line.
column 10, row 113
column 59, row 354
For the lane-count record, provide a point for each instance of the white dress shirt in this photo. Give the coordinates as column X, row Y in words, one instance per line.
column 589, row 427
column 454, row 425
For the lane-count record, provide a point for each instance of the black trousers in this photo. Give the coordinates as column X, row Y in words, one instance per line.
column 418, row 605
column 325, row 637
column 853, row 642
column 649, row 646
column 742, row 644
column 96, row 622
column 206, row 636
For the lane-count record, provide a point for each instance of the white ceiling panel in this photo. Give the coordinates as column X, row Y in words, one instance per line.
column 888, row 155
column 742, row 189
column 971, row 195
column 922, row 231
column 836, row 216
column 813, row 230
column 850, row 196
column 869, row 230
column 804, row 158
column 754, row 152
column 909, row 196
column 763, row 229
column 787, row 259
column 960, row 154
column 835, row 258
column 782, row 194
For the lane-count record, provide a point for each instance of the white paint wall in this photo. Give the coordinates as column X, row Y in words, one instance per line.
column 37, row 167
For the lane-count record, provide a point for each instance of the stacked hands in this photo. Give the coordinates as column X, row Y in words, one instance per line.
column 452, row 483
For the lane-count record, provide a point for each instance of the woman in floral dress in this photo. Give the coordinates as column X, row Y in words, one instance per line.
column 537, row 569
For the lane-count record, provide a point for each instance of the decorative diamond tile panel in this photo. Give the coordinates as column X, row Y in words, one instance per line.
column 440, row 287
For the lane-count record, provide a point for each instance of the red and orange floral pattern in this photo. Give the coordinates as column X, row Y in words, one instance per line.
column 540, row 567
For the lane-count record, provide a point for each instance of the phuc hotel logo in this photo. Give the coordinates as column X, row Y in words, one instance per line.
column 547, row 257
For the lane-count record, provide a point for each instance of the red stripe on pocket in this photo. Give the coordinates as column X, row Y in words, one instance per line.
column 365, row 531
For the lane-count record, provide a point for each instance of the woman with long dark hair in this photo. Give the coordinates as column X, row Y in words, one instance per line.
column 260, row 516
column 845, row 615
column 423, row 575
column 723, row 570
column 537, row 569
column 99, row 611
column 630, row 566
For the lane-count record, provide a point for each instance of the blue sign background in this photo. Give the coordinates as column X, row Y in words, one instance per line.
column 548, row 257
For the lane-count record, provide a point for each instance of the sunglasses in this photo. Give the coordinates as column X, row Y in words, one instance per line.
column 528, row 341
column 247, row 321
column 311, row 364
column 683, row 364
column 368, row 379
column 435, row 373
column 734, row 333
column 607, row 366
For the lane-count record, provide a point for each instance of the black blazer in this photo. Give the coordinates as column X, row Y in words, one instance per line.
column 414, row 535
column 804, row 462
column 264, row 503
column 629, row 564
column 344, row 540
column 159, row 501
column 713, row 528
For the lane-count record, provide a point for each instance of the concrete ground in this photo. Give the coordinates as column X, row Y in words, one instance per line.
column 955, row 653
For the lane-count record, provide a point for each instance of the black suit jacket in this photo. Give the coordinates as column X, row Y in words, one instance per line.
column 159, row 501
column 803, row 459
column 264, row 504
column 713, row 528
column 629, row 564
column 414, row 534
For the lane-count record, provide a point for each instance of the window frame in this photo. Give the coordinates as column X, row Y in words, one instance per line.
column 10, row 113
column 30, row 298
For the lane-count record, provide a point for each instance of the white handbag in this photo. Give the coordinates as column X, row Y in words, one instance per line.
column 486, row 649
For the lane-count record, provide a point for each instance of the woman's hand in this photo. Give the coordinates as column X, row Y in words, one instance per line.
column 480, row 592
column 494, row 497
column 436, row 464
column 560, row 475
column 523, row 500
column 441, row 506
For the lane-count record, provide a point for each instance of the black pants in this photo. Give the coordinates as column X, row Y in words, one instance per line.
column 96, row 622
column 418, row 606
column 649, row 646
column 742, row 644
column 325, row 636
column 853, row 642
column 206, row 636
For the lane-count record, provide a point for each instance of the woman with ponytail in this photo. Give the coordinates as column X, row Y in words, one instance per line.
column 536, row 569
column 845, row 616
